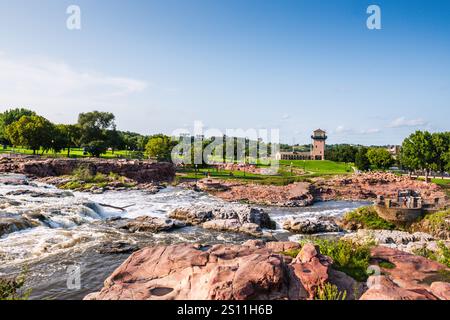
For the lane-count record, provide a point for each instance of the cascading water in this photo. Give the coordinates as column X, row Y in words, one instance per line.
column 49, row 230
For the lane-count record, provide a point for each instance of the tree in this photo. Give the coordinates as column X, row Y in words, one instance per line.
column 441, row 145
column 94, row 125
column 361, row 160
column 380, row 158
column 341, row 153
column 34, row 132
column 418, row 152
column 10, row 116
column 96, row 148
column 66, row 136
column 160, row 147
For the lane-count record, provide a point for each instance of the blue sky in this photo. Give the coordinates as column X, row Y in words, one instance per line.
column 294, row 65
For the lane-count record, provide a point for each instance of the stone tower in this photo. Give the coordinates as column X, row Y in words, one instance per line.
column 318, row 144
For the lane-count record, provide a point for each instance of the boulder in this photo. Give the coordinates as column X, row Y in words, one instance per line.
column 383, row 288
column 226, row 217
column 251, row 271
column 410, row 275
column 310, row 225
column 10, row 223
column 441, row 290
column 150, row 224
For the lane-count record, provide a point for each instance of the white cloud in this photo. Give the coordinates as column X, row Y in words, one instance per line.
column 344, row 130
column 370, row 131
column 403, row 122
column 55, row 87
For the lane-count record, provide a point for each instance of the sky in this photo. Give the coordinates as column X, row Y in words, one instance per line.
column 291, row 65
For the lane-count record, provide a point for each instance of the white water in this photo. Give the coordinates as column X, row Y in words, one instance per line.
column 74, row 226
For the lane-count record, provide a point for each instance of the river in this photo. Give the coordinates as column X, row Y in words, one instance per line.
column 75, row 230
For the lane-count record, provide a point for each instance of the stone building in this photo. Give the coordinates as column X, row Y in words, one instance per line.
column 317, row 151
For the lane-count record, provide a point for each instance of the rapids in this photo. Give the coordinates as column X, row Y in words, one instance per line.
column 73, row 229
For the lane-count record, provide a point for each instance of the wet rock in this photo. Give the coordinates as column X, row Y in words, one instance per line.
column 233, row 225
column 310, row 225
column 234, row 218
column 10, row 223
column 151, row 224
column 39, row 194
column 118, row 247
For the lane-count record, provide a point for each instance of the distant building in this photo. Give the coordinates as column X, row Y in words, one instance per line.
column 317, row 151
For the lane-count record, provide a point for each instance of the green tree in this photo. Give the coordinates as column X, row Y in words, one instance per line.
column 96, row 148
column 380, row 158
column 10, row 116
column 160, row 147
column 418, row 152
column 441, row 145
column 35, row 132
column 94, row 125
column 66, row 136
column 361, row 160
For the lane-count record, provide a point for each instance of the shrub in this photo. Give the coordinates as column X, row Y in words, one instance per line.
column 12, row 289
column 441, row 255
column 350, row 258
column 368, row 218
column 329, row 291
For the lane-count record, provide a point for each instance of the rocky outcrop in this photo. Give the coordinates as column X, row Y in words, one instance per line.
column 370, row 185
column 401, row 240
column 226, row 217
column 39, row 194
column 222, row 272
column 310, row 225
column 150, row 224
column 139, row 171
column 293, row 195
column 410, row 277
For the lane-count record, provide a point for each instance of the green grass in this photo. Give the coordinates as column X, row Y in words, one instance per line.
column 350, row 258
column 284, row 175
column 319, row 167
column 328, row 291
column 368, row 218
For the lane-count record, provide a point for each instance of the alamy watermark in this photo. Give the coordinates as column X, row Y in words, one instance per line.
column 213, row 146
column 73, row 21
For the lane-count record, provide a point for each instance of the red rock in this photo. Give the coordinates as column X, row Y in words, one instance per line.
column 441, row 290
column 308, row 252
column 410, row 271
column 383, row 288
column 139, row 171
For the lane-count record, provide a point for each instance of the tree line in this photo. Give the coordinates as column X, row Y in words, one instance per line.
column 94, row 131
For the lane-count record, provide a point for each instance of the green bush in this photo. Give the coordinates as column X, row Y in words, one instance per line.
column 368, row 218
column 442, row 255
column 329, row 291
column 12, row 289
column 350, row 258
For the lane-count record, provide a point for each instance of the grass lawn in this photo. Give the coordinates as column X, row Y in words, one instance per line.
column 283, row 177
column 319, row 167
